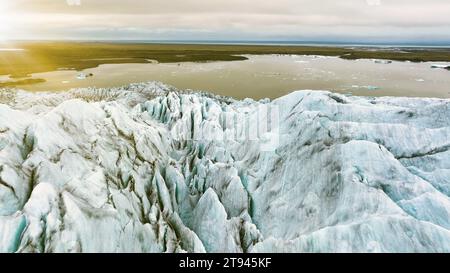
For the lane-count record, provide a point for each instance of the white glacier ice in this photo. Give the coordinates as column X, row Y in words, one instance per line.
column 148, row 168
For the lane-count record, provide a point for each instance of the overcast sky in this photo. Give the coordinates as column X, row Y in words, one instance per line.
column 329, row 20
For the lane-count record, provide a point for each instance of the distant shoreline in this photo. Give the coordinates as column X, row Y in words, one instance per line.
column 262, row 43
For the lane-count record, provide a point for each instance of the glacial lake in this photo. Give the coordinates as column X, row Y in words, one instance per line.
column 266, row 76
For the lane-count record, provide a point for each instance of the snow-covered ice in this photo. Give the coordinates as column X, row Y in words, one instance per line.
column 148, row 168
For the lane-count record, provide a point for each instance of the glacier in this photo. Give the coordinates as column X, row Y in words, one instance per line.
column 149, row 168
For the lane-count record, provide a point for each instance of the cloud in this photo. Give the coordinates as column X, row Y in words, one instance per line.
column 251, row 19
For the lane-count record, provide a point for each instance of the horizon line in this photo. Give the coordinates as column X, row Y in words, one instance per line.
column 243, row 42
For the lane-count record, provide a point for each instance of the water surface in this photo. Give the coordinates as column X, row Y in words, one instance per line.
column 267, row 76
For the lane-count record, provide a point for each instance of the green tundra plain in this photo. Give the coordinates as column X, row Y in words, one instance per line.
column 36, row 57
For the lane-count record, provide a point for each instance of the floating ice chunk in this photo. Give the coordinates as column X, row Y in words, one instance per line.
column 368, row 87
column 371, row 87
column 442, row 66
column 83, row 76
column 377, row 61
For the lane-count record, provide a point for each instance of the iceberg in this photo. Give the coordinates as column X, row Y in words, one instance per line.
column 83, row 76
column 442, row 66
column 149, row 168
column 378, row 61
column 368, row 87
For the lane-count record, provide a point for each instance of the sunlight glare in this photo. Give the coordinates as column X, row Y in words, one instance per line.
column 5, row 21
